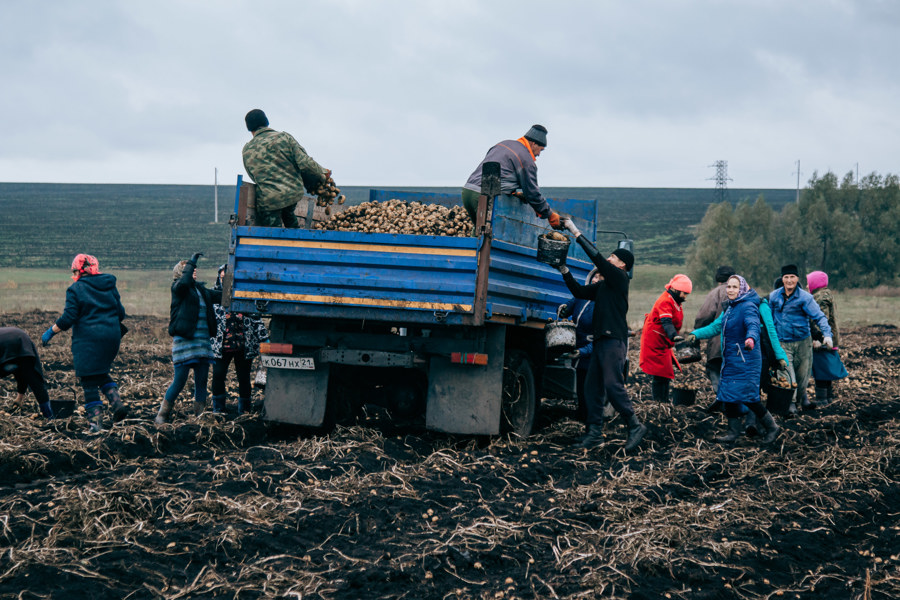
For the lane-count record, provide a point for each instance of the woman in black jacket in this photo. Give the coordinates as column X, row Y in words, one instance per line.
column 95, row 313
column 191, row 323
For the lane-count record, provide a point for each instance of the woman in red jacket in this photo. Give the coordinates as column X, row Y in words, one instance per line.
column 660, row 333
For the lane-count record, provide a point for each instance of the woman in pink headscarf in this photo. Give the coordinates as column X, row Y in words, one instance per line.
column 827, row 365
column 94, row 312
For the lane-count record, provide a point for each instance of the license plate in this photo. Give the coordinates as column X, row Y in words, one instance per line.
column 289, row 362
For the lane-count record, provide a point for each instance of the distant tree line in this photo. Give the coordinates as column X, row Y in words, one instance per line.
column 851, row 231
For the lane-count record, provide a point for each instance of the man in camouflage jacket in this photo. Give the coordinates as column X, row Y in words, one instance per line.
column 280, row 167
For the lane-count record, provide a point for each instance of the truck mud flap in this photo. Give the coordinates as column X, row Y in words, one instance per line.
column 297, row 396
column 466, row 399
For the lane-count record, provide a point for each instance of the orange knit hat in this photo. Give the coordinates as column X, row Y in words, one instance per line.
column 680, row 283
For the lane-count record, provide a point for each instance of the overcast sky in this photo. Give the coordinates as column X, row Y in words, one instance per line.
column 635, row 93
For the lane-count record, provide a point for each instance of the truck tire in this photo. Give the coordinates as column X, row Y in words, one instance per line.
column 519, row 405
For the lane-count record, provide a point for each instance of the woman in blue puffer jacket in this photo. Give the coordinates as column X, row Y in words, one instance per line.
column 739, row 328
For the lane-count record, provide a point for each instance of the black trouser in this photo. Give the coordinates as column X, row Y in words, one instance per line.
column 733, row 409
column 606, row 373
column 242, row 368
column 27, row 377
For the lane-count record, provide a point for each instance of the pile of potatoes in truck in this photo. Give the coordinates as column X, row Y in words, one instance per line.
column 399, row 217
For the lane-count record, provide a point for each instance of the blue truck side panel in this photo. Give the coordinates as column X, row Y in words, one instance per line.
column 404, row 278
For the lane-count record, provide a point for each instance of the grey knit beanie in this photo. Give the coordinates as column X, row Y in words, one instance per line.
column 537, row 134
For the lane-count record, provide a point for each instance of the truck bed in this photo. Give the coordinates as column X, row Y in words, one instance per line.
column 406, row 278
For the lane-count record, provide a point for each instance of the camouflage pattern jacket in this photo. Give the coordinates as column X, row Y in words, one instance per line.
column 279, row 166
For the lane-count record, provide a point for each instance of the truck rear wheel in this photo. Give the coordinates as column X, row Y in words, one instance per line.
column 519, row 404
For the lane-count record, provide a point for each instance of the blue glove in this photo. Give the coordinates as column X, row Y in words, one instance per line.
column 45, row 339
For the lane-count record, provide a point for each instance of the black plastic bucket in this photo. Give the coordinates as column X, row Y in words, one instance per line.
column 62, row 408
column 552, row 252
column 683, row 397
column 778, row 400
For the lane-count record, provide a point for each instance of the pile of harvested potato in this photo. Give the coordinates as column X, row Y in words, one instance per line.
column 397, row 216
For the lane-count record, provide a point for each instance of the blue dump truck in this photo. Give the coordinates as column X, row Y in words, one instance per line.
column 449, row 326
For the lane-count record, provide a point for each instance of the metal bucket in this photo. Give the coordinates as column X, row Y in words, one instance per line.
column 560, row 335
column 552, row 252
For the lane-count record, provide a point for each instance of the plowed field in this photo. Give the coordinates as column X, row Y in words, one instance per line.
column 234, row 508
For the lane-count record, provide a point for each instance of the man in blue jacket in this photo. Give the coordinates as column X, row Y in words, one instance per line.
column 793, row 308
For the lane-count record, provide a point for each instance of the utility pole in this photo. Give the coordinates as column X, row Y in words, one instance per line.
column 721, row 179
column 216, row 195
column 798, row 182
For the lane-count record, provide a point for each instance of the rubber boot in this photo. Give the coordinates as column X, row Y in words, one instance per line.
column 636, row 432
column 93, row 412
column 199, row 407
column 716, row 406
column 751, row 427
column 734, row 431
column 659, row 388
column 165, row 410
column 609, row 411
column 771, row 428
column 46, row 410
column 804, row 402
column 218, row 403
column 244, row 405
column 822, row 396
column 118, row 408
column 593, row 437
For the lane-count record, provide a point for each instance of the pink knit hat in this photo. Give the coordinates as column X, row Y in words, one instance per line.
column 816, row 280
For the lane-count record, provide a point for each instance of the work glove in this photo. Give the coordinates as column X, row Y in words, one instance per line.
column 563, row 269
column 678, row 338
column 817, row 345
column 568, row 224
column 45, row 339
column 690, row 338
column 749, row 343
column 562, row 312
column 553, row 219
column 195, row 257
column 828, row 343
column 782, row 364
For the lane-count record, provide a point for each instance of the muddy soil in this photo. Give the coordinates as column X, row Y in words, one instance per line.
column 235, row 508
